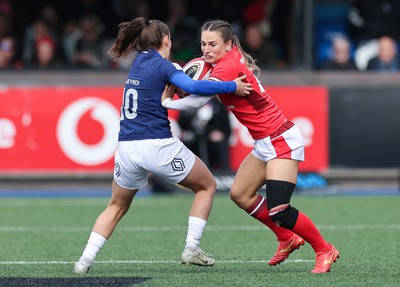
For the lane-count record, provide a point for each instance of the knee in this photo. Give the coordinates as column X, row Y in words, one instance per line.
column 210, row 187
column 213, row 186
column 206, row 187
column 118, row 210
column 237, row 197
column 278, row 203
column 233, row 196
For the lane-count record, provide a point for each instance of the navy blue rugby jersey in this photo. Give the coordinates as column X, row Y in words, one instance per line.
column 142, row 115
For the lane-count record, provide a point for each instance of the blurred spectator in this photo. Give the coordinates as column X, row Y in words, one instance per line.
column 32, row 33
column 206, row 132
column 74, row 10
column 47, row 24
column 45, row 55
column 90, row 49
column 8, row 54
column 49, row 15
column 388, row 59
column 282, row 34
column 36, row 18
column 273, row 17
column 5, row 25
column 365, row 52
column 256, row 44
column 255, row 11
column 372, row 19
column 341, row 56
column 184, row 28
column 70, row 36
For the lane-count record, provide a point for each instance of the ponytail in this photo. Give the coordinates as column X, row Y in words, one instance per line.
column 250, row 61
column 140, row 34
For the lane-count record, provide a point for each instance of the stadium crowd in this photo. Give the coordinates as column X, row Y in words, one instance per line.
column 75, row 34
column 42, row 34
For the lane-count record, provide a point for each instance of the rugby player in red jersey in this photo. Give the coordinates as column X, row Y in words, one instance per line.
column 278, row 149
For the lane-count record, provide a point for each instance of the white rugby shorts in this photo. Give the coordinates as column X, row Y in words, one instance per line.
column 167, row 158
column 288, row 144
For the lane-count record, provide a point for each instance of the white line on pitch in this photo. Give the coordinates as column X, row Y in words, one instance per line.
column 136, row 262
column 183, row 228
column 80, row 202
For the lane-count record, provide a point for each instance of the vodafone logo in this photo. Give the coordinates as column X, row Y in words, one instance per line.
column 72, row 144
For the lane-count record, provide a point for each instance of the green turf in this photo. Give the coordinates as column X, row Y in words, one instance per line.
column 41, row 238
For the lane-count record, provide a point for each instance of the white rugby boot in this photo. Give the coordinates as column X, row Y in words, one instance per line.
column 198, row 257
column 83, row 265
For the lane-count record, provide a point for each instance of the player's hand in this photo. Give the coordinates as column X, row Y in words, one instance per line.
column 242, row 88
column 168, row 92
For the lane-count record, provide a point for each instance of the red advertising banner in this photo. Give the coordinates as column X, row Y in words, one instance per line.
column 58, row 129
column 75, row 129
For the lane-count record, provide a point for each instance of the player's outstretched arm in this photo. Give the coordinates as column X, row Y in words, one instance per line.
column 192, row 101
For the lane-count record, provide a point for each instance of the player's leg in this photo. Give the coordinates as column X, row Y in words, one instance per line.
column 281, row 181
column 104, row 226
column 118, row 206
column 202, row 183
column 249, row 178
column 171, row 160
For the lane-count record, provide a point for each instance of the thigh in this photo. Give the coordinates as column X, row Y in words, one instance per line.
column 282, row 169
column 250, row 176
column 121, row 196
column 199, row 177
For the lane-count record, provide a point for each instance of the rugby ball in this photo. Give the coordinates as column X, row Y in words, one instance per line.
column 198, row 69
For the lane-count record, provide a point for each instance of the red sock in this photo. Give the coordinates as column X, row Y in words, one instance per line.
column 259, row 211
column 305, row 228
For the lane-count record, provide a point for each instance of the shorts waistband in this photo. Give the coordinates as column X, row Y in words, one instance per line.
column 283, row 128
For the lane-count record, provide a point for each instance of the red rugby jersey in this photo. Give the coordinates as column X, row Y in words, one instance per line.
column 257, row 111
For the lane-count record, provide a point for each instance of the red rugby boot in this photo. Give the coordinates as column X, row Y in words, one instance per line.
column 323, row 261
column 285, row 248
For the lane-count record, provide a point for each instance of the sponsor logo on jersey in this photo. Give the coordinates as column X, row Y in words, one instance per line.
column 117, row 169
column 178, row 164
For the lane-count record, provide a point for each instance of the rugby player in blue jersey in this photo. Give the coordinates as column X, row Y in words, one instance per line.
column 146, row 144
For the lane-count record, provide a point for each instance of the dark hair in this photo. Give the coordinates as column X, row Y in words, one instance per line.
column 225, row 31
column 140, row 34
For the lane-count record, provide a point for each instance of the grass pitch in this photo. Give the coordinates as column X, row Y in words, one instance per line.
column 41, row 238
